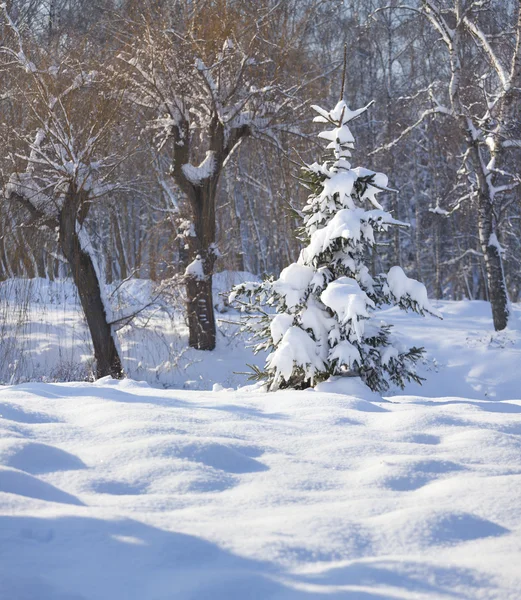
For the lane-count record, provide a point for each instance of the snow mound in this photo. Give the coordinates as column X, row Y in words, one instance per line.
column 348, row 386
column 331, row 492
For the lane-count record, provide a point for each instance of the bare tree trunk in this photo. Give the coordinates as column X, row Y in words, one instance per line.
column 496, row 285
column 86, row 279
column 201, row 318
column 438, row 288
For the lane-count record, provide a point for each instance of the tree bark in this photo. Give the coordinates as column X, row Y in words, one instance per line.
column 120, row 249
column 86, row 279
column 438, row 287
column 487, row 232
column 201, row 319
column 496, row 285
column 507, row 121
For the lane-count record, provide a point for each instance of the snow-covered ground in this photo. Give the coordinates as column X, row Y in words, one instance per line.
column 115, row 491
column 125, row 491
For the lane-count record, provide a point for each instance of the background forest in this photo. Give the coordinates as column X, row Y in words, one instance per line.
column 157, row 136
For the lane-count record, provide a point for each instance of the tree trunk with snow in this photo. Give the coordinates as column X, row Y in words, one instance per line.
column 200, row 186
column 201, row 318
column 85, row 277
column 209, row 87
column 497, row 291
column 496, row 286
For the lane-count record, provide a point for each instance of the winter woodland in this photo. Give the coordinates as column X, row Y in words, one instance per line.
column 162, row 142
column 260, row 286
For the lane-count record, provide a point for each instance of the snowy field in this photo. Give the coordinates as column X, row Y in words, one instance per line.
column 126, row 491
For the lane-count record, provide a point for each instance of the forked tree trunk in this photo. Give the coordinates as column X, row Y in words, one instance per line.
column 201, row 192
column 86, row 279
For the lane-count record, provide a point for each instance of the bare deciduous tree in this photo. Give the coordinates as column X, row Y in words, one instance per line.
column 481, row 96
column 213, row 80
column 62, row 166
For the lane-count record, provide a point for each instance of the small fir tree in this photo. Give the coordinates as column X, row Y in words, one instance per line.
column 324, row 301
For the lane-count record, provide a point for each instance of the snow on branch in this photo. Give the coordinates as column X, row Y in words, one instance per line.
column 469, row 252
column 511, row 144
column 405, row 288
column 196, row 175
column 426, row 113
column 433, row 13
column 437, row 210
column 481, row 37
column 195, row 269
column 20, row 56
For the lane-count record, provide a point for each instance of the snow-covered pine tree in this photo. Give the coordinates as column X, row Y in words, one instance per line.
column 324, row 301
